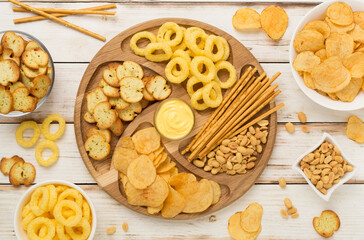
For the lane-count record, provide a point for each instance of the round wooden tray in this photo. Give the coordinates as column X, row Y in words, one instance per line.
column 118, row 50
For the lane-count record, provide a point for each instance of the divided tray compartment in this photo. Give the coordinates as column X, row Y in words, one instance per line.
column 118, row 50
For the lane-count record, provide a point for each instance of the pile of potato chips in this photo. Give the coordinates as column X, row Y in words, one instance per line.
column 247, row 224
column 331, row 53
column 151, row 179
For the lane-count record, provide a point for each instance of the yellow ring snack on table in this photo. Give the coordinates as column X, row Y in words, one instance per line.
column 196, row 97
column 71, row 221
column 45, row 127
column 175, row 29
column 153, row 47
column 191, row 84
column 182, row 73
column 210, row 72
column 82, row 230
column 73, row 194
column 226, row 48
column 137, row 37
column 232, row 74
column 206, row 94
column 182, row 46
column 210, row 44
column 19, row 133
column 39, row 149
column 182, row 54
column 174, row 119
column 191, row 36
column 35, row 225
column 39, row 201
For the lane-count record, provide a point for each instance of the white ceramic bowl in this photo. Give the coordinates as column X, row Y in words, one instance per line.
column 347, row 176
column 21, row 234
column 318, row 13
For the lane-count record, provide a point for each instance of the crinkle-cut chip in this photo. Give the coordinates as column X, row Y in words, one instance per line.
column 357, row 34
column 349, row 93
column 355, row 129
column 340, row 13
column 307, row 79
column 217, row 192
column 331, row 75
column 359, row 18
column 320, row 26
column 246, row 18
column 152, row 196
column 146, row 140
column 127, row 142
column 355, row 64
column 165, row 175
column 173, row 205
column 339, row 45
column 308, row 40
column 274, row 21
column 155, row 210
column 237, row 232
column 321, row 54
column 337, row 28
column 141, row 172
column 199, row 198
column 123, row 157
column 181, row 179
column 251, row 217
column 305, row 61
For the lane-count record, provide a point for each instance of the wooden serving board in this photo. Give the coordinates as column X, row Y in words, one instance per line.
column 118, row 50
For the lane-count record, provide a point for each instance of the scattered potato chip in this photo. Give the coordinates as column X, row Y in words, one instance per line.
column 173, row 205
column 246, row 18
column 349, row 93
column 355, row 64
column 154, row 210
column 274, row 21
column 122, row 158
column 321, row 54
column 355, row 129
column 340, row 13
column 141, row 172
column 199, row 198
column 305, row 61
column 180, row 179
column 251, row 218
column 237, row 232
column 331, row 75
column 337, row 28
column 217, row 191
column 307, row 79
column 146, row 140
column 339, row 45
column 320, row 26
column 127, row 142
column 357, row 34
column 308, row 40
column 359, row 18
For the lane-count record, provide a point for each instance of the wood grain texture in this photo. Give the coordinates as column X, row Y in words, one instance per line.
column 118, row 50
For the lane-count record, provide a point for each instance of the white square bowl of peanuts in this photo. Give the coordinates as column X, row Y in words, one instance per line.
column 325, row 167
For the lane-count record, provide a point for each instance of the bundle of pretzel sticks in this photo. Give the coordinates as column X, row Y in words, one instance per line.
column 247, row 98
column 55, row 14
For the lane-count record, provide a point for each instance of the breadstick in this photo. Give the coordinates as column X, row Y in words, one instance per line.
column 50, row 10
column 64, row 22
column 78, row 11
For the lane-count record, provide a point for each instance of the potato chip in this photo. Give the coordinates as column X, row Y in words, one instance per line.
column 360, row 48
column 123, row 157
column 246, row 18
column 161, row 159
column 217, row 191
column 340, row 13
column 355, row 64
column 165, row 167
column 146, row 140
column 251, row 217
column 305, row 61
column 337, row 28
column 349, row 93
column 173, row 171
column 173, row 205
column 127, row 142
column 274, row 21
column 165, row 175
column 339, row 45
column 199, row 200
column 180, row 179
column 333, row 96
column 355, row 129
column 141, row 172
column 308, row 40
column 320, row 26
column 307, row 79
column 123, row 179
column 359, row 18
column 152, row 196
column 155, row 210
column 237, row 232
column 331, row 75
column 159, row 151
column 357, row 34
column 321, row 54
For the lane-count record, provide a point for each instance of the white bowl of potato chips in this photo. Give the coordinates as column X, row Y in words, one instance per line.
column 327, row 55
column 43, row 208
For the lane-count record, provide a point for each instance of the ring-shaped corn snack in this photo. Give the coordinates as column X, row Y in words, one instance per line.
column 166, row 31
column 60, row 230
column 183, row 72
column 84, row 230
column 26, row 210
column 139, row 36
column 191, row 82
column 27, row 219
column 19, row 133
column 72, row 193
column 182, row 54
column 182, row 46
column 153, row 47
column 197, row 96
column 226, row 48
column 232, row 74
column 35, row 225
column 39, row 201
column 196, row 68
column 39, row 149
column 206, row 94
column 71, row 221
column 52, row 197
column 192, row 37
column 86, row 212
column 46, row 123
column 210, row 44
column 61, row 188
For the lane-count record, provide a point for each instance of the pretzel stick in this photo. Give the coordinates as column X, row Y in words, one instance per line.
column 50, row 10
column 77, row 11
column 64, row 22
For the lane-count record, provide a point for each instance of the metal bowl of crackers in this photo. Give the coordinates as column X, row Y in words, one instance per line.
column 55, row 208
column 325, row 167
column 29, row 76
column 326, row 55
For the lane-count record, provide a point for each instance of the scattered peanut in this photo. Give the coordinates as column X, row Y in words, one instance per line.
column 295, row 215
column 305, row 129
column 125, row 226
column 288, row 203
column 111, row 230
column 302, row 117
column 282, row 182
column 292, row 210
column 289, row 127
column 284, row 213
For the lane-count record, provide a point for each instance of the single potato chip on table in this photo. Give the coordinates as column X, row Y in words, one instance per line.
column 237, row 232
column 246, row 18
column 251, row 218
column 274, row 21
column 355, row 129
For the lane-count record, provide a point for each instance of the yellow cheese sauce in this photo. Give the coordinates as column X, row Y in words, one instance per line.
column 174, row 119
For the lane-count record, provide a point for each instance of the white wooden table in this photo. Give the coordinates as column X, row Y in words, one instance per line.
column 72, row 51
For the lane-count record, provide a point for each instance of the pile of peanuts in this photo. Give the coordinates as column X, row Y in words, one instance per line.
column 290, row 211
column 238, row 154
column 325, row 166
